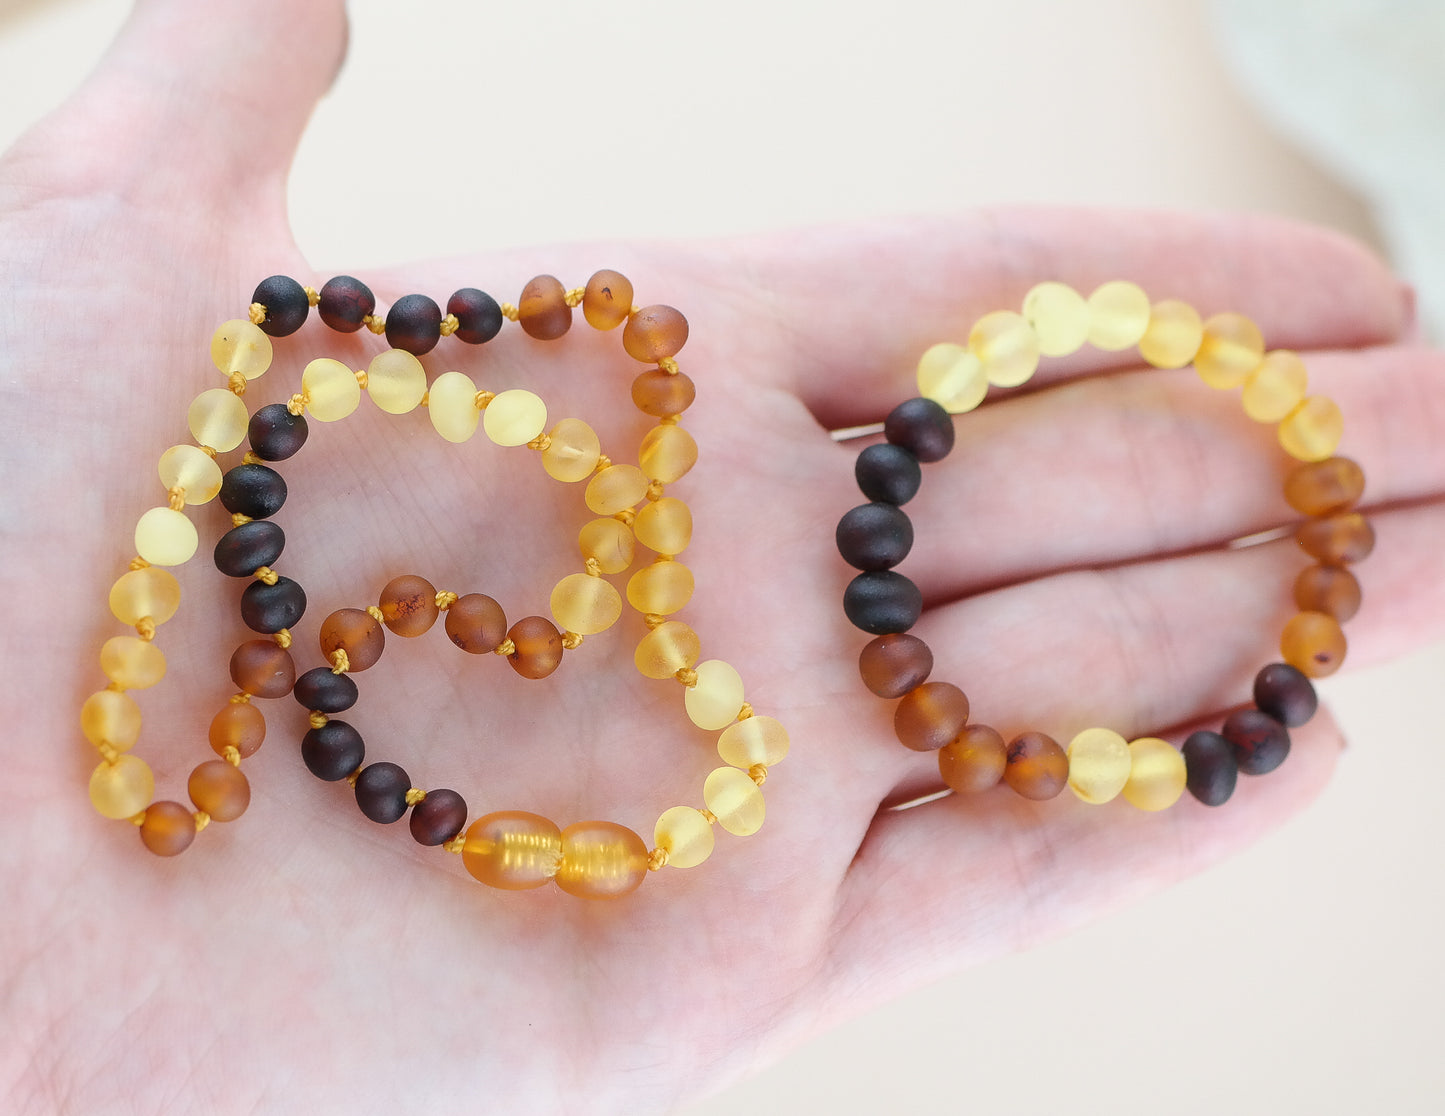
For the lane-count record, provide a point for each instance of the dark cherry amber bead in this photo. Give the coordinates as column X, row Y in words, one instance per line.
column 438, row 817
column 542, row 311
column 888, row 473
column 356, row 632
column 974, row 761
column 333, row 751
column 1332, row 590
column 1324, row 487
column 323, row 690
column 476, row 624
column 654, row 333
column 1285, row 694
column 930, row 716
column 1336, row 539
column 269, row 608
column 253, row 490
column 346, row 303
column 285, row 302
column 1037, row 767
column 275, row 433
column 262, row 669
column 874, row 536
column 1210, row 767
column 538, row 647
column 891, row 665
column 660, row 394
column 414, row 323
column 243, row 550
column 168, row 828
column 478, row 315
column 381, row 792
column 409, row 605
column 922, row 427
column 1260, row 742
column 882, row 601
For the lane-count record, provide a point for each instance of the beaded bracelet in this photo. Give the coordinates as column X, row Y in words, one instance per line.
column 1003, row 349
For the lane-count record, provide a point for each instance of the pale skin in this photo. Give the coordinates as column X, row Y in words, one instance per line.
column 1070, row 553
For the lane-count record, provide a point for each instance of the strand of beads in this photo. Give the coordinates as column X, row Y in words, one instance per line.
column 1003, row 349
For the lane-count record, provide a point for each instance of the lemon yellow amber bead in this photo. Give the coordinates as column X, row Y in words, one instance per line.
column 132, row 663
column 240, row 346
column 331, row 389
column 512, row 850
column 1230, row 350
column 572, row 451
column 1098, row 764
column 735, row 801
column 151, row 593
column 165, row 537
column 218, row 418
column 757, row 739
column 122, row 789
column 1059, row 317
column 452, row 405
column 609, row 541
column 661, row 588
column 666, row 649
column 585, row 604
column 1157, row 774
column 515, row 417
column 1005, row 344
column 685, row 835
column 665, row 525
column 713, row 702
column 1276, row 387
column 667, row 453
column 601, row 860
column 1312, row 431
column 192, row 469
column 615, row 488
column 1118, row 316
column 110, row 717
column 396, row 381
column 1173, row 334
column 953, row 377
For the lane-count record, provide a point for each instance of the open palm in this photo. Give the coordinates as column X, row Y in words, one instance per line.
column 1071, row 552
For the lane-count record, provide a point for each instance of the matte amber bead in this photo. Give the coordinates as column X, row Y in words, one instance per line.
column 1157, row 774
column 952, row 376
column 1212, row 770
column 1006, row 346
column 666, row 649
column 121, row 789
column 609, row 542
column 165, row 537
column 607, row 300
column 263, row 669
column 667, row 453
column 1037, row 767
column 240, row 346
column 217, row 418
column 168, row 828
column 1312, row 431
column 381, row 790
column 476, row 624
column 356, row 632
column 408, row 605
column 1313, row 644
column 512, row 850
column 1285, row 694
column 1173, row 335
column 542, row 311
column 615, row 489
column 111, row 718
column 930, row 716
column 331, row 389
column 396, row 381
column 661, row 588
column 660, row 394
column 713, row 701
column 974, row 760
column 735, row 801
column 753, row 740
column 1260, row 743
column 438, row 817
column 654, row 333
column 1329, row 589
column 538, row 646
column 1324, row 487
column 1231, row 348
column 891, row 665
column 1118, row 316
column 685, row 835
column 1059, row 316
column 220, row 790
column 515, row 417
column 1275, row 388
column 192, row 469
column 601, row 860
column 239, row 725
column 1335, row 539
column 572, row 452
column 1098, row 765
column 132, row 663
column 664, row 526
column 585, row 604
column 452, row 406
column 344, row 303
column 150, row 593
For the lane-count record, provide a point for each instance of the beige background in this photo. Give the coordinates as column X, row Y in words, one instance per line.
column 1303, row 977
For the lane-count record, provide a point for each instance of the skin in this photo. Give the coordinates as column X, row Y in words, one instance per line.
column 1069, row 550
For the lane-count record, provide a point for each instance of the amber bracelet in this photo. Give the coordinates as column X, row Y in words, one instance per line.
column 1003, row 349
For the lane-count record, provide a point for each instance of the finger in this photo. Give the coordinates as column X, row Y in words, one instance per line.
column 848, row 316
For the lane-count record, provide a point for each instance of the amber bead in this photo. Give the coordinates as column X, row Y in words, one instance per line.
column 607, row 301
column 685, row 834
column 1157, row 774
column 930, row 716
column 601, row 860
column 891, row 665
column 478, row 315
column 269, row 608
column 381, row 790
column 151, row 592
column 168, row 828
column 1285, row 694
column 253, row 490
column 609, row 542
column 664, row 526
column 660, row 394
column 476, row 624
column 243, row 550
column 414, row 323
column 132, row 663
column 220, row 790
column 275, row 433
column 538, row 647
column 1211, row 768
column 542, row 311
column 438, row 817
column 887, row 473
column 661, row 588
column 922, row 427
column 345, row 303
column 512, row 850
column 356, row 632
column 1037, row 767
column 1099, row 765
column 333, row 751
column 286, row 304
column 112, row 719
column 123, row 788
column 874, row 536
column 409, row 605
column 1328, row 589
column 1313, row 643
column 654, row 333
column 667, row 453
column 239, row 725
column 1324, row 487
column 735, row 800
column 1336, row 539
column 974, row 760
column 1231, row 348
column 753, row 740
column 261, row 668
column 1312, row 431
column 665, row 650
column 323, row 690
column 882, row 601
column 1260, row 742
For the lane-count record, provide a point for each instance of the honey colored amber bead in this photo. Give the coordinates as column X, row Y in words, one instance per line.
column 409, row 605
column 123, row 788
column 754, row 740
column 1328, row 589
column 396, row 381
column 239, row 725
column 660, row 394
column 165, row 537
column 660, row 588
column 1336, row 539
column 667, row 453
column 685, row 835
column 1006, row 346
column 664, row 525
column 1312, row 431
column 356, row 632
column 192, row 469
column 585, row 604
column 542, row 311
column 930, row 716
column 735, row 801
column 1118, row 316
column 654, row 333
column 609, row 541
column 331, row 389
column 607, row 300
column 168, row 828
column 601, row 860
column 1173, row 334
column 891, row 665
column 1313, row 643
column 1037, row 767
column 132, row 663
column 113, row 718
column 512, row 850
column 240, row 346
column 1276, row 387
column 452, row 406
column 953, row 377
column 572, row 451
column 974, row 760
column 713, row 702
column 150, row 593
column 1059, row 317
column 1232, row 348
column 217, row 418
column 538, row 647
column 263, row 669
column 615, row 489
column 515, row 417
column 219, row 789
column 476, row 624
column 666, row 649
column 1157, row 774
column 1098, row 765
column 1324, row 487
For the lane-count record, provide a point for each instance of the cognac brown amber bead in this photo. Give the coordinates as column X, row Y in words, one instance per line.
column 1329, row 589
column 476, row 624
column 1037, row 767
column 262, row 669
column 542, row 311
column 409, row 605
column 654, row 333
column 356, row 632
column 168, row 828
column 974, row 761
column 238, row 725
column 930, row 716
column 1339, row 538
column 220, row 790
column 660, row 394
column 607, row 300
column 1313, row 644
column 891, row 665
column 1324, row 487
column 538, row 647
